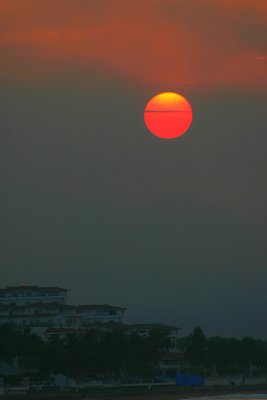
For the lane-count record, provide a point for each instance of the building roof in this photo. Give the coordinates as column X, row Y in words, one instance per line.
column 108, row 326
column 99, row 306
column 58, row 331
column 152, row 326
column 92, row 326
column 60, row 306
column 46, row 306
column 28, row 316
column 23, row 288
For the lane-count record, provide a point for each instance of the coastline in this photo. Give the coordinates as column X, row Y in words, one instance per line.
column 181, row 393
column 146, row 393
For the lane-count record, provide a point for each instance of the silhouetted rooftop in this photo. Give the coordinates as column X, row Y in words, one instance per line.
column 23, row 288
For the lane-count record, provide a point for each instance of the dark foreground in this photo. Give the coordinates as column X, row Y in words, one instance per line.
column 144, row 393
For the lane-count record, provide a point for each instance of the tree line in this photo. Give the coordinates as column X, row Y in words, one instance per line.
column 99, row 354
column 224, row 355
column 94, row 353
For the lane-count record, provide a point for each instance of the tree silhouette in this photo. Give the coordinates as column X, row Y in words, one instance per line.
column 196, row 348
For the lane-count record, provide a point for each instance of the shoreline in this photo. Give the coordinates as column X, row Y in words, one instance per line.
column 181, row 393
column 146, row 393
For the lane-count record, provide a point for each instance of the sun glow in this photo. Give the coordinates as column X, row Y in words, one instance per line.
column 168, row 115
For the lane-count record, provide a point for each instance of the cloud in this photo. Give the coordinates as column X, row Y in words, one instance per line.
column 156, row 42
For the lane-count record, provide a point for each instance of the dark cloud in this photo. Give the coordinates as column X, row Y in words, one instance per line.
column 157, row 42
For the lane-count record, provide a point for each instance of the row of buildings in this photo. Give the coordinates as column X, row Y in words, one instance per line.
column 46, row 312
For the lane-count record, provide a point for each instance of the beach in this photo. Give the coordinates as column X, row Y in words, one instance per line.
column 152, row 393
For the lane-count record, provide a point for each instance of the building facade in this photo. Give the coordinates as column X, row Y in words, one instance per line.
column 146, row 329
column 129, row 329
column 46, row 312
column 22, row 295
column 34, row 306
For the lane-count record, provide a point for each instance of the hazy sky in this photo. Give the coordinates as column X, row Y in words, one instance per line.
column 173, row 230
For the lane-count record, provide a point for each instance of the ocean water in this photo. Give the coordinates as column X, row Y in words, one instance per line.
column 235, row 396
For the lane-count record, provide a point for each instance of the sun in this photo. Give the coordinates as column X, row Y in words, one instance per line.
column 168, row 115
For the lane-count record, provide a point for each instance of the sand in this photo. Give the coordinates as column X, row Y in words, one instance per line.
column 144, row 393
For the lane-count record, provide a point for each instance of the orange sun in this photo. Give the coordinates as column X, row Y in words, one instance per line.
column 168, row 115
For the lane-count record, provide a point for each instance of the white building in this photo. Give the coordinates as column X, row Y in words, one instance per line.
column 35, row 306
column 147, row 329
column 21, row 295
column 59, row 315
column 44, row 309
column 139, row 329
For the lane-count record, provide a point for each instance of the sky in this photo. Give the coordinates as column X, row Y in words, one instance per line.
column 173, row 230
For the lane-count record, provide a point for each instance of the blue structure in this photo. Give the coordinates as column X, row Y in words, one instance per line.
column 188, row 380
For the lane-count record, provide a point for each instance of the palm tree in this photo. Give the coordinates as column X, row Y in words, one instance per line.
column 53, row 356
column 217, row 354
column 28, row 348
column 196, row 348
column 7, row 350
